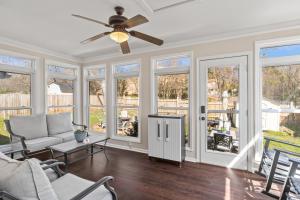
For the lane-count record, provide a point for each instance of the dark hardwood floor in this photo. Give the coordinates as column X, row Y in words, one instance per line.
column 138, row 178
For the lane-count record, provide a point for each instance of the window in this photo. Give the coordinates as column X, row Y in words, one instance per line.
column 171, row 85
column 96, row 105
column 127, row 105
column 280, row 103
column 61, row 89
column 15, row 91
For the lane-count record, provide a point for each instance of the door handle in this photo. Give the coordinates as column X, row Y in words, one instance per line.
column 158, row 129
column 167, row 132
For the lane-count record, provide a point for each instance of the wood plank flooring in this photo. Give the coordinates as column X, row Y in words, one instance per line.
column 139, row 178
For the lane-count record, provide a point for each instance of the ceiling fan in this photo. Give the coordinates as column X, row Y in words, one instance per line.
column 119, row 34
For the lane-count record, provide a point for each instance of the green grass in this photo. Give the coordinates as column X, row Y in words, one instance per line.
column 4, row 136
column 285, row 137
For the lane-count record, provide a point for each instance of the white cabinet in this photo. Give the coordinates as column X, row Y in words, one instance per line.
column 166, row 137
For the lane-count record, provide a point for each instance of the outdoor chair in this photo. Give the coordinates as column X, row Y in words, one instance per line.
column 65, row 186
column 275, row 163
column 222, row 142
column 292, row 182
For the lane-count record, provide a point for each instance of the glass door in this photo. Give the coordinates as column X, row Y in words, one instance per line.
column 223, row 111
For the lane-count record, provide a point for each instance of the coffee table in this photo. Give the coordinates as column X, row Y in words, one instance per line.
column 68, row 148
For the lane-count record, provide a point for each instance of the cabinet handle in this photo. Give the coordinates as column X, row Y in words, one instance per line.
column 167, row 131
column 158, row 130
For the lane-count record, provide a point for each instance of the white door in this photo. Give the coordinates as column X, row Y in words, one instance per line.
column 172, row 139
column 223, row 111
column 155, row 137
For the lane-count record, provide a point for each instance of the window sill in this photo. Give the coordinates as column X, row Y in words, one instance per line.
column 126, row 138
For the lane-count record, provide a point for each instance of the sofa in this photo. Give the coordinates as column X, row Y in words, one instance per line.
column 24, row 180
column 37, row 132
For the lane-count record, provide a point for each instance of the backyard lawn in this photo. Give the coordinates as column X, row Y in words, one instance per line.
column 285, row 137
column 4, row 139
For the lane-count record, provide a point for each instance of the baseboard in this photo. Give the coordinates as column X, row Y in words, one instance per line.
column 117, row 146
column 191, row 159
column 145, row 151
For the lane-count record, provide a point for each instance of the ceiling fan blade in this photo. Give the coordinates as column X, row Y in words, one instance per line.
column 147, row 38
column 125, row 47
column 92, row 20
column 94, row 37
column 134, row 21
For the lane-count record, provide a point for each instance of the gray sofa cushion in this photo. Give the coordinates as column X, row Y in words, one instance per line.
column 75, row 186
column 59, row 123
column 67, row 136
column 30, row 127
column 41, row 143
column 25, row 180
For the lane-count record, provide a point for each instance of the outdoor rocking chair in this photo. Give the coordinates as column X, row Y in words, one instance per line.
column 275, row 163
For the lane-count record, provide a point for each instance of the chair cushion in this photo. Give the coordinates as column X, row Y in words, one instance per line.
column 41, row 143
column 59, row 123
column 67, row 136
column 75, row 186
column 25, row 180
column 30, row 127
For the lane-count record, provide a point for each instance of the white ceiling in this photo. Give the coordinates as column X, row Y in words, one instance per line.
column 48, row 23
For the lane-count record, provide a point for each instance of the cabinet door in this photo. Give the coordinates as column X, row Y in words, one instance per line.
column 155, row 137
column 172, row 139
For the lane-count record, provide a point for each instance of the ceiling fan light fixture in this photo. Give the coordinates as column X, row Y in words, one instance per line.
column 119, row 36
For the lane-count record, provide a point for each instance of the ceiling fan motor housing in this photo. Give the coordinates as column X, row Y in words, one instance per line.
column 117, row 19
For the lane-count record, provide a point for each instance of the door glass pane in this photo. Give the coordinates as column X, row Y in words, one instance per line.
column 127, row 122
column 60, row 92
column 14, row 90
column 222, row 108
column 186, row 119
column 223, row 132
column 6, row 114
column 97, row 92
column 97, row 119
column 281, row 105
column 127, row 91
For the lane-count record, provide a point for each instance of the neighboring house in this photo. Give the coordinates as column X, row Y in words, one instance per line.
column 270, row 116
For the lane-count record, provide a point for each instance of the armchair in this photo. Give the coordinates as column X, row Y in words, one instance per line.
column 275, row 163
column 39, row 184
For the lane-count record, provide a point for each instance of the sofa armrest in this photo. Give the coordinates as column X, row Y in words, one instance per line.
column 102, row 181
column 12, row 134
column 6, row 195
column 48, row 161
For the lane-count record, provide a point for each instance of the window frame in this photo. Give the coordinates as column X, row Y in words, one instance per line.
column 76, row 82
column 257, row 90
column 190, row 146
column 114, row 100
column 23, row 71
column 86, row 99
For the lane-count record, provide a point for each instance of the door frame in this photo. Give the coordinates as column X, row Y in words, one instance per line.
column 250, row 147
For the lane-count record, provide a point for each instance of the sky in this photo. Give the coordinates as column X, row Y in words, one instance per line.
column 280, row 51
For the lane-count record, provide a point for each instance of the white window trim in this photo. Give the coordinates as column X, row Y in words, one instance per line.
column 114, row 106
column 77, row 89
column 258, row 82
column 25, row 71
column 191, row 70
column 86, row 105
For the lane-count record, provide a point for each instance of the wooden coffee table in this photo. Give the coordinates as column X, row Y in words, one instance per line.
column 68, row 148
